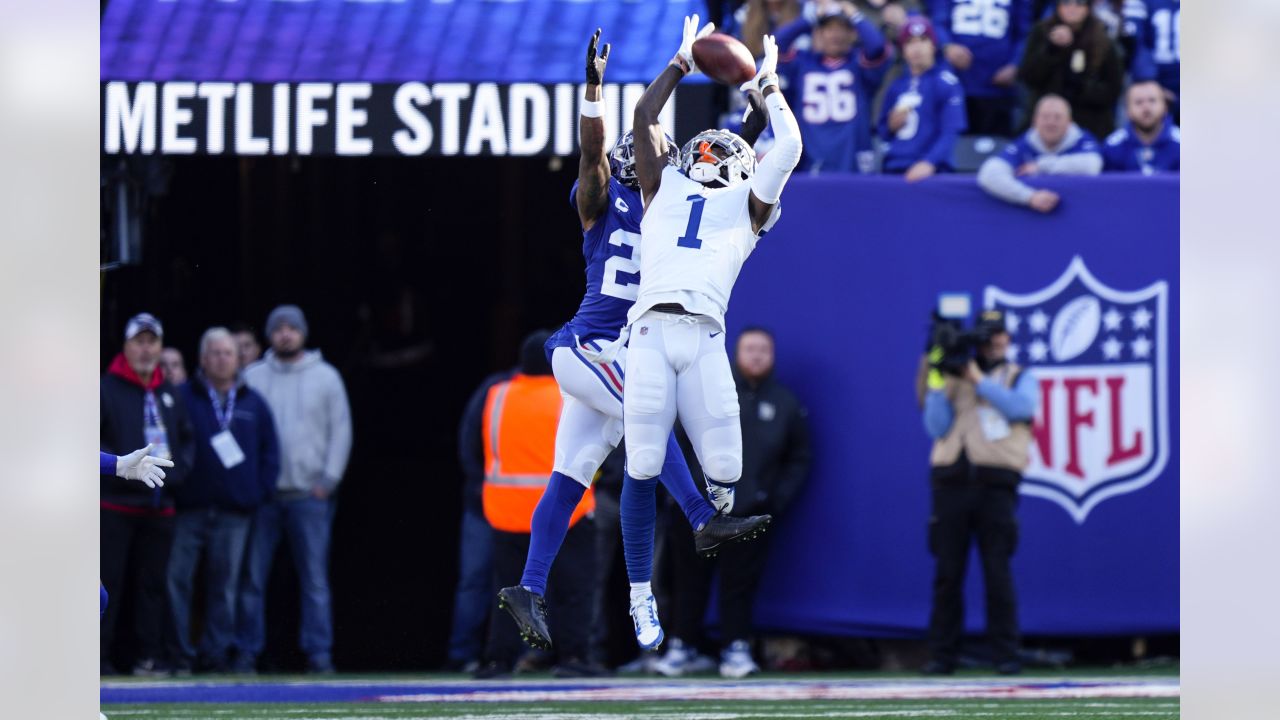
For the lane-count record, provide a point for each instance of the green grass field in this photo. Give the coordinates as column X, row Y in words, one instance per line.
column 1100, row 695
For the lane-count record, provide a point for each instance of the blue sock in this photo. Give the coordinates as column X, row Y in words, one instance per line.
column 547, row 529
column 639, row 511
column 678, row 481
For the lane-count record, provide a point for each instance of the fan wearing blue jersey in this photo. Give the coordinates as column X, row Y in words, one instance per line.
column 1053, row 146
column 983, row 41
column 591, row 389
column 1149, row 142
column 923, row 112
column 833, row 85
column 1157, row 28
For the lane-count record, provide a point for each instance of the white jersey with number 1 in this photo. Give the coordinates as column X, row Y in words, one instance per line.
column 694, row 240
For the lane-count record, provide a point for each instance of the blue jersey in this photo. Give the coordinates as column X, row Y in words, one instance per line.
column 611, row 249
column 1021, row 151
column 1156, row 26
column 995, row 31
column 1125, row 151
column 936, row 120
column 834, row 101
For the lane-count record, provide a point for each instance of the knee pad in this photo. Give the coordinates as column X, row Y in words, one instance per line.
column 583, row 465
column 645, row 462
column 723, row 467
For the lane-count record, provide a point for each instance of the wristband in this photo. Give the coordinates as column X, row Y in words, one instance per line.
column 592, row 108
column 767, row 80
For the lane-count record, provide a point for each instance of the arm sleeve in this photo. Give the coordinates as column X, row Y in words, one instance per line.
column 1088, row 162
column 776, row 167
column 940, row 14
column 1019, row 29
column 874, row 49
column 951, row 124
column 1014, row 403
column 106, row 463
column 339, row 445
column 792, row 31
column 269, row 450
column 795, row 469
column 996, row 178
column 937, row 414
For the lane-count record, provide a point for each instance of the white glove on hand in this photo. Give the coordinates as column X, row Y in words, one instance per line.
column 692, row 33
column 768, row 66
column 142, row 466
column 721, row 497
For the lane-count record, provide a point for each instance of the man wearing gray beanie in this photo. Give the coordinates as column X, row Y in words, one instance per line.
column 313, row 422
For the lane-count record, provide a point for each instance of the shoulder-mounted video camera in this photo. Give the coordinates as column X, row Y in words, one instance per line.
column 958, row 345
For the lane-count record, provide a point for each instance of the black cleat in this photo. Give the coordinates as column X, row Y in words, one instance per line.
column 723, row 530
column 529, row 610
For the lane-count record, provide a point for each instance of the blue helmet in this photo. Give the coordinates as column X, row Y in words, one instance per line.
column 622, row 158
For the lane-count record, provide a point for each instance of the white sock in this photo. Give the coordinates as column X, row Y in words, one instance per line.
column 640, row 591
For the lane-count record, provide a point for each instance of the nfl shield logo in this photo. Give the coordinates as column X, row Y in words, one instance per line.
column 1100, row 357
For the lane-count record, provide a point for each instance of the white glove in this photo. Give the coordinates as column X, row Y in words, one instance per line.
column 768, row 67
column 142, row 466
column 721, row 497
column 691, row 33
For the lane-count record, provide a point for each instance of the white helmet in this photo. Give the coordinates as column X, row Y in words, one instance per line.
column 736, row 161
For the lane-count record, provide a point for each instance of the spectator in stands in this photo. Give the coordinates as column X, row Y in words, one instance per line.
column 247, row 344
column 1149, row 142
column 139, row 407
column 309, row 401
column 764, row 17
column 980, row 421
column 983, row 42
column 1070, row 54
column 174, row 367
column 1053, row 146
column 923, row 110
column 234, row 472
column 775, row 464
column 474, row 593
column 834, row 84
column 1156, row 27
column 518, row 431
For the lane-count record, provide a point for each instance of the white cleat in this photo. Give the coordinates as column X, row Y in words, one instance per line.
column 675, row 661
column 644, row 613
column 736, row 662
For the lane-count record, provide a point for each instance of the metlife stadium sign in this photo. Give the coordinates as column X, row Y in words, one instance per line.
column 376, row 77
column 357, row 118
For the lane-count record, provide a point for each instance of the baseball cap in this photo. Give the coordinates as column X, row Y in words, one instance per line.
column 143, row 322
column 917, row 26
column 835, row 14
column 990, row 322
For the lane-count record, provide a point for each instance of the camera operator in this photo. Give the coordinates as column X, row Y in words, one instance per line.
column 978, row 409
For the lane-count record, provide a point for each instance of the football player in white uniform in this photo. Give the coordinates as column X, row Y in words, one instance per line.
column 701, row 221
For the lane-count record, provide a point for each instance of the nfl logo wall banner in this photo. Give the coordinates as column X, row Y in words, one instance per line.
column 1100, row 358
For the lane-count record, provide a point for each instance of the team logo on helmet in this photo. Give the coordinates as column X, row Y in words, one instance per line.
column 1101, row 362
column 622, row 159
column 734, row 162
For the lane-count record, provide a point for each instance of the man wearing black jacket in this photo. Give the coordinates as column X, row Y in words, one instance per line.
column 775, row 462
column 139, row 407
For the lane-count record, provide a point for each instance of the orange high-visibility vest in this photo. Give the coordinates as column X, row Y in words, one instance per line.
column 520, row 419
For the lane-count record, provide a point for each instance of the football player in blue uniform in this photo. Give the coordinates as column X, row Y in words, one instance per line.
column 1149, row 142
column 607, row 199
column 923, row 112
column 983, row 41
column 834, row 84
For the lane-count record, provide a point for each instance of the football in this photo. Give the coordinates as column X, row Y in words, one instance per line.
column 1075, row 328
column 724, row 59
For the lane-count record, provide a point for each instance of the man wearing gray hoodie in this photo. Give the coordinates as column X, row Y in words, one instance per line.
column 313, row 422
column 1053, row 146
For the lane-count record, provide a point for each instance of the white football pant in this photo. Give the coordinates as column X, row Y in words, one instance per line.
column 591, row 412
column 678, row 366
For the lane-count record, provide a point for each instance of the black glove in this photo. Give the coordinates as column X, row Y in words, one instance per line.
column 595, row 65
